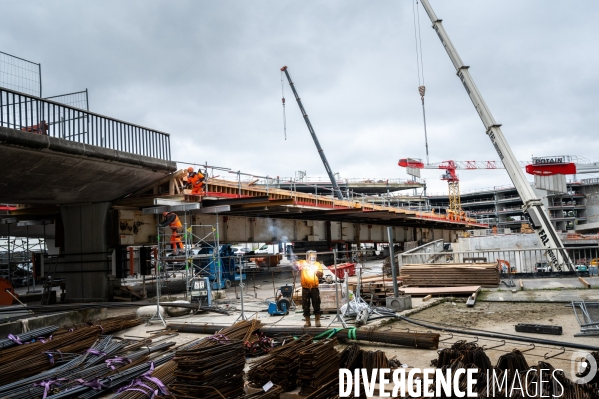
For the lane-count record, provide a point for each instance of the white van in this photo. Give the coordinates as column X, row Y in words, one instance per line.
column 270, row 249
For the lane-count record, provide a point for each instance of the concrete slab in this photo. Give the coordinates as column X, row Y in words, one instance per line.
column 59, row 171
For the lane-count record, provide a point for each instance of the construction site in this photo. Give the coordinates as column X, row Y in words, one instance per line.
column 127, row 274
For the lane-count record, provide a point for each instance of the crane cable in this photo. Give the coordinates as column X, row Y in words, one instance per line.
column 283, row 100
column 420, row 68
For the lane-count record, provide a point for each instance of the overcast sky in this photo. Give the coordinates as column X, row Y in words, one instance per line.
column 208, row 73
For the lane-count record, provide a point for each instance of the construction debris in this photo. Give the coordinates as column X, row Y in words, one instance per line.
column 539, row 329
column 587, row 316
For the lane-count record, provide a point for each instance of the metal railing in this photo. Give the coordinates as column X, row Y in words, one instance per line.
column 41, row 116
column 426, row 253
column 524, row 260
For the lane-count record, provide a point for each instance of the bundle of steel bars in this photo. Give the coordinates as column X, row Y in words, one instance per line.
column 210, row 372
column 351, row 358
column 20, row 339
column 410, row 339
column 273, row 393
column 280, row 366
column 319, row 363
column 510, row 367
column 62, row 353
column 166, row 374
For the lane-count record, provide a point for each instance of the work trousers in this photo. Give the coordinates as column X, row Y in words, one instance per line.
column 310, row 295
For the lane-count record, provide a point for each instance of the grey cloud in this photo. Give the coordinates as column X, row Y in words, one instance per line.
column 208, row 73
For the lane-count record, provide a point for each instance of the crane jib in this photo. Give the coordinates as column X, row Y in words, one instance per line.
column 533, row 207
column 493, row 140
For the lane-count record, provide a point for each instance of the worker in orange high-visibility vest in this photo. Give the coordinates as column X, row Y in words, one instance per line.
column 195, row 180
column 172, row 220
column 311, row 272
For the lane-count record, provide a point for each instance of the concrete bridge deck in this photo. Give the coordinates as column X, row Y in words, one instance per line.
column 40, row 169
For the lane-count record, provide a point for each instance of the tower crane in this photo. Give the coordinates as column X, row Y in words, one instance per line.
column 336, row 188
column 540, row 166
column 454, row 211
column 533, row 207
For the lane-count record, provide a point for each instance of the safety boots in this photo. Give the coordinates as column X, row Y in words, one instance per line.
column 317, row 320
column 307, row 321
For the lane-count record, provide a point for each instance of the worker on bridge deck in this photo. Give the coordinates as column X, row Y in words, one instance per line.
column 195, row 180
column 311, row 272
column 172, row 220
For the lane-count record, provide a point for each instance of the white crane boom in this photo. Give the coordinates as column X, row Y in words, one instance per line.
column 539, row 219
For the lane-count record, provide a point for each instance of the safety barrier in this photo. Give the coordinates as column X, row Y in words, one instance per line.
column 523, row 260
column 46, row 117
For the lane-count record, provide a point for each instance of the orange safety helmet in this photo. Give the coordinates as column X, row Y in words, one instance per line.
column 165, row 214
column 190, row 169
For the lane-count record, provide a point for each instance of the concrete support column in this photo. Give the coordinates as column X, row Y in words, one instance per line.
column 86, row 267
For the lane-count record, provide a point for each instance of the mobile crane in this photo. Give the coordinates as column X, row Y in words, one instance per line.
column 336, row 188
column 533, row 207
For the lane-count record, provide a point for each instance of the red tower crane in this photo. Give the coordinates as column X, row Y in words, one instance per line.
column 540, row 166
column 454, row 211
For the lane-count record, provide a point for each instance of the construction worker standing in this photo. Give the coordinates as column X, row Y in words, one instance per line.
column 311, row 271
column 195, row 181
column 172, row 220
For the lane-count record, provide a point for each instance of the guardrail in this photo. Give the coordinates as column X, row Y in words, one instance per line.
column 41, row 116
column 523, row 260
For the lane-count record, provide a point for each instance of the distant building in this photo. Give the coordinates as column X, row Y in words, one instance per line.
column 501, row 207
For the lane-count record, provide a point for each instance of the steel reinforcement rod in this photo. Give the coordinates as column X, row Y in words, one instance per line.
column 415, row 340
column 489, row 334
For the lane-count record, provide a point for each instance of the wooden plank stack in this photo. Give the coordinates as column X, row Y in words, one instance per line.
column 450, row 275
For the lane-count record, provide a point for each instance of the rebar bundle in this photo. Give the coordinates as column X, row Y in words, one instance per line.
column 210, row 372
column 512, row 367
column 319, row 363
column 19, row 339
column 192, row 367
column 351, row 358
column 410, row 339
column 23, row 361
column 273, row 393
column 280, row 366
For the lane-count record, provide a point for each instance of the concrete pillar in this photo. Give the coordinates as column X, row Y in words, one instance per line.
column 86, row 267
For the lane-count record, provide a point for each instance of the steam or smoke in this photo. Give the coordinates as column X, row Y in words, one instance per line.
column 277, row 233
column 292, row 258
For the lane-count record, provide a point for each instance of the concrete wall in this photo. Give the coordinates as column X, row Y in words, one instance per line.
column 498, row 242
column 592, row 203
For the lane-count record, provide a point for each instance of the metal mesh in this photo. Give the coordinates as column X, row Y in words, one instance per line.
column 20, row 75
column 77, row 100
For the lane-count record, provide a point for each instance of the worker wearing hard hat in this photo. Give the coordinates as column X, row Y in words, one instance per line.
column 195, row 181
column 171, row 220
column 311, row 272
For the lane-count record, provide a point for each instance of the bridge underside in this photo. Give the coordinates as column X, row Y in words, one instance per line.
column 39, row 169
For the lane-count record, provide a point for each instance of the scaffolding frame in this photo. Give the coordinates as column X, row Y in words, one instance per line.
column 17, row 250
column 204, row 236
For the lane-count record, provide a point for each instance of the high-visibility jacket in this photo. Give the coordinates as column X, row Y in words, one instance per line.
column 309, row 279
column 196, row 180
column 175, row 224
